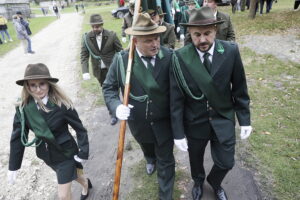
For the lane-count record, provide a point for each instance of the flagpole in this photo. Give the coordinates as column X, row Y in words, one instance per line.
column 125, row 102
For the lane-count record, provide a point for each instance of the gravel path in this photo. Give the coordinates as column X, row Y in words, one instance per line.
column 285, row 46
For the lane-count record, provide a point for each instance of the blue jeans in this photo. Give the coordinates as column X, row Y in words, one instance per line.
column 28, row 44
column 7, row 34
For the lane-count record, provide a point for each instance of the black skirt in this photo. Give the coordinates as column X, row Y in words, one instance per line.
column 66, row 171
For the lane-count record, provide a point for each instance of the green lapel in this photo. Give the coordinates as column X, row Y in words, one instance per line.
column 222, row 104
column 147, row 81
column 218, row 57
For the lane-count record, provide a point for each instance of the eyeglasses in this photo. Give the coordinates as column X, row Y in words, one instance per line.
column 42, row 85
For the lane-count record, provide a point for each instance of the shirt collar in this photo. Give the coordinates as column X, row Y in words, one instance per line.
column 140, row 54
column 215, row 14
column 210, row 51
column 44, row 100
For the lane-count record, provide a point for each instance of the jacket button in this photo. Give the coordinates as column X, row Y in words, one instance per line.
column 210, row 108
column 151, row 113
column 152, row 123
column 210, row 118
column 150, row 101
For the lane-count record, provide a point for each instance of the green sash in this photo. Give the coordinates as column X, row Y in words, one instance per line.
column 148, row 83
column 219, row 102
column 40, row 126
column 88, row 47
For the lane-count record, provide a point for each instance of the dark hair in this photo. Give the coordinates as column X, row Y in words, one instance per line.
column 19, row 13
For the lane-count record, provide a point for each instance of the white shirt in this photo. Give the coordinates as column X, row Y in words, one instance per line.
column 99, row 40
column 215, row 14
column 99, row 43
column 210, row 51
column 44, row 100
column 144, row 61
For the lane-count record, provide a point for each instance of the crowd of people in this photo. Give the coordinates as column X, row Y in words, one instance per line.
column 189, row 97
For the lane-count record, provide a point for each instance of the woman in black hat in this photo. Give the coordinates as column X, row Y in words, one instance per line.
column 47, row 111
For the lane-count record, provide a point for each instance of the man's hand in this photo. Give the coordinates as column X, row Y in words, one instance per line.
column 11, row 177
column 245, row 132
column 181, row 37
column 178, row 29
column 123, row 112
column 86, row 76
column 181, row 144
column 124, row 39
column 77, row 159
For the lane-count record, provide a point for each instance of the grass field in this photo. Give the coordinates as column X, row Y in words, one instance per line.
column 36, row 24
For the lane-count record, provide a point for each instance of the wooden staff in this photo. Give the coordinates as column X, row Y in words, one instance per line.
column 125, row 102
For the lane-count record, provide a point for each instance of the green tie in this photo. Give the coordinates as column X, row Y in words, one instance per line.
column 207, row 62
column 149, row 64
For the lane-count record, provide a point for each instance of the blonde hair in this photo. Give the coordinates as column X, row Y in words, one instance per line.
column 56, row 96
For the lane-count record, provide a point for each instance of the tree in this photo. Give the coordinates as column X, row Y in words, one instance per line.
column 252, row 10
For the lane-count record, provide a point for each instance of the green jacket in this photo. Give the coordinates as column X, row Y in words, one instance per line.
column 194, row 118
column 168, row 37
column 58, row 120
column 109, row 46
column 147, row 121
column 127, row 22
column 225, row 30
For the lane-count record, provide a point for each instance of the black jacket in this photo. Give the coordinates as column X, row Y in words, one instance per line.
column 157, row 124
column 58, row 120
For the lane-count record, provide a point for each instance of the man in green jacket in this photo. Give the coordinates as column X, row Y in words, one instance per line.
column 127, row 20
column 167, row 38
column 207, row 90
column 225, row 30
column 148, row 112
column 100, row 45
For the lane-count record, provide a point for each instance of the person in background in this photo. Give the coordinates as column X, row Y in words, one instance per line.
column 99, row 45
column 225, row 30
column 24, row 22
column 56, row 11
column 190, row 4
column 22, row 34
column 3, row 29
column 127, row 20
column 45, row 110
column 296, row 5
column 167, row 38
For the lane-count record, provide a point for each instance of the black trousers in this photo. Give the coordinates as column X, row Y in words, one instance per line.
column 162, row 156
column 222, row 155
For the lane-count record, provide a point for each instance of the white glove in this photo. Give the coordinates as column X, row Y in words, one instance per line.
column 181, row 37
column 124, row 39
column 245, row 132
column 173, row 11
column 11, row 177
column 86, row 76
column 177, row 29
column 77, row 159
column 181, row 144
column 123, row 112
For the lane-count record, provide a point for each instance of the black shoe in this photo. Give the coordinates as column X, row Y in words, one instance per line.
column 150, row 168
column 219, row 192
column 113, row 121
column 197, row 191
column 82, row 196
column 31, row 52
